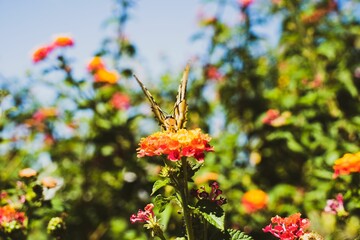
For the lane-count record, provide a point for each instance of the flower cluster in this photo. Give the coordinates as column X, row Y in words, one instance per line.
column 336, row 206
column 101, row 74
column 11, row 219
column 275, row 119
column 143, row 216
column 254, row 200
column 59, row 42
column 183, row 143
column 288, row 228
column 43, row 113
column 120, row 101
column 215, row 192
column 349, row 163
column 213, row 73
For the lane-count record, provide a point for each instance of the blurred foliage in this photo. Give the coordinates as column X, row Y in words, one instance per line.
column 309, row 69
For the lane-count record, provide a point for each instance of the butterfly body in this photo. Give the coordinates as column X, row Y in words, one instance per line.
column 177, row 120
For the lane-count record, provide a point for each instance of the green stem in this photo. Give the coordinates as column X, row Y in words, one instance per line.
column 184, row 193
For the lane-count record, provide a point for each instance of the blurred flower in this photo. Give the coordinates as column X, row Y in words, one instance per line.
column 311, row 236
column 273, row 118
column 208, row 176
column 254, row 200
column 245, row 3
column 105, row 76
column 49, row 182
column 49, row 139
column 63, row 41
column 213, row 73
column 288, row 228
column 120, row 101
column 215, row 192
column 44, row 113
column 143, row 216
column 41, row 53
column 9, row 216
column 349, row 163
column 27, row 173
column 336, row 206
column 187, row 143
column 95, row 64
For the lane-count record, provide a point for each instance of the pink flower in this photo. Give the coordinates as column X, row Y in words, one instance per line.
column 120, row 101
column 143, row 216
column 336, row 206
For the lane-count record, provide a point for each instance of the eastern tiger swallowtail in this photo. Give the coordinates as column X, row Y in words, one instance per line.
column 176, row 120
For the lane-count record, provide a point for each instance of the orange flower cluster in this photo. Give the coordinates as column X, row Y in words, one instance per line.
column 97, row 67
column 183, row 143
column 59, row 42
column 9, row 214
column 44, row 113
column 254, row 200
column 349, row 163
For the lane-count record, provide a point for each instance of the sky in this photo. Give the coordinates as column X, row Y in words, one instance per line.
column 158, row 28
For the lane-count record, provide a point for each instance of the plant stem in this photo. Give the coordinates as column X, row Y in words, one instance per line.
column 184, row 199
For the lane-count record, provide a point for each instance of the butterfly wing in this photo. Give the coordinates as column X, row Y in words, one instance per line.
column 159, row 113
column 180, row 107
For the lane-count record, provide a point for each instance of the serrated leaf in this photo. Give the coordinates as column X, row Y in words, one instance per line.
column 211, row 212
column 238, row 235
column 159, row 184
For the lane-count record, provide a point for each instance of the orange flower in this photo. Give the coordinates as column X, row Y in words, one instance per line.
column 44, row 113
column 95, row 64
column 41, row 53
column 349, row 163
column 49, row 182
column 204, row 178
column 9, row 214
column 63, row 41
column 183, row 143
column 106, row 76
column 27, row 173
column 254, row 200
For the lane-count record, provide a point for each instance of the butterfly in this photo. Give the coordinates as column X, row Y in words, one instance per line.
column 177, row 120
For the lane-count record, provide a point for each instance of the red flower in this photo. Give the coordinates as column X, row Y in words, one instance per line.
column 143, row 216
column 120, row 101
column 41, row 53
column 288, row 228
column 213, row 73
column 192, row 143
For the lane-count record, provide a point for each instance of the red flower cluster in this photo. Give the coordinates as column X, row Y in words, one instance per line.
column 183, row 143
column 201, row 193
column 9, row 214
column 143, row 216
column 349, row 163
column 59, row 42
column 288, row 228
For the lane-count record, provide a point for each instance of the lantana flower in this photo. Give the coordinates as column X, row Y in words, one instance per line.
column 10, row 216
column 120, row 101
column 183, row 143
column 145, row 215
column 63, row 41
column 336, row 206
column 254, row 200
column 95, row 64
column 27, row 173
column 213, row 73
column 106, row 76
column 44, row 113
column 213, row 195
column 275, row 119
column 288, row 228
column 349, row 163
column 41, row 53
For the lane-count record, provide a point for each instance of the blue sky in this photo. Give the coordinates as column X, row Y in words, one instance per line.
column 158, row 27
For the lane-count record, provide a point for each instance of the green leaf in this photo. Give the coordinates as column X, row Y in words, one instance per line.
column 238, row 235
column 346, row 78
column 161, row 202
column 159, row 184
column 211, row 212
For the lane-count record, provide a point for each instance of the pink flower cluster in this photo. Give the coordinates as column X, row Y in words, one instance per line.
column 143, row 216
column 288, row 228
column 59, row 42
column 336, row 206
column 215, row 192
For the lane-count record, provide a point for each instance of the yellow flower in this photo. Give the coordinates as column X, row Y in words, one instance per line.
column 105, row 76
column 349, row 163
